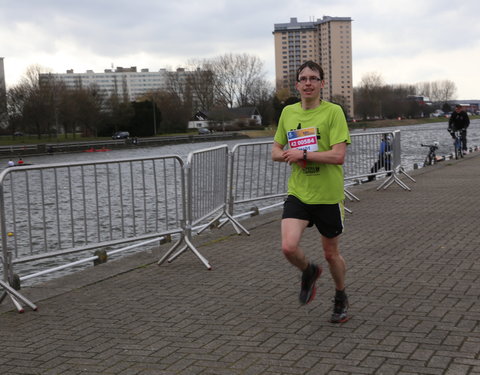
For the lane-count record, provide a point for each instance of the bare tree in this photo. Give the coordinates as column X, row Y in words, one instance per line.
column 235, row 78
column 368, row 96
column 262, row 98
column 38, row 103
column 437, row 91
column 425, row 89
column 443, row 91
column 201, row 81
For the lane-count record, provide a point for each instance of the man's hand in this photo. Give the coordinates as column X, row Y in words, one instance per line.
column 294, row 155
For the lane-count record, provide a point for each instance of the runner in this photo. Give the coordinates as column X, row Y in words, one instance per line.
column 317, row 135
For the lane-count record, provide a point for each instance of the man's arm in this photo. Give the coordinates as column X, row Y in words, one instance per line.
column 277, row 151
column 451, row 118
column 334, row 156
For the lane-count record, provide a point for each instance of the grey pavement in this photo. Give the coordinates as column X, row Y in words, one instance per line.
column 413, row 283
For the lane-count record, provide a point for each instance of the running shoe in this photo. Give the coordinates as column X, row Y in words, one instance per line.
column 308, row 289
column 340, row 308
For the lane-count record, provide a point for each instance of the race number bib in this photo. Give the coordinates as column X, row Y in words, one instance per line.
column 303, row 139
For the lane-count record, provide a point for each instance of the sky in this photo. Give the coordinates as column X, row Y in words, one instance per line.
column 402, row 41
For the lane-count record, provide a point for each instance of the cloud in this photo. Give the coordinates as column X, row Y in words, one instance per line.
column 407, row 41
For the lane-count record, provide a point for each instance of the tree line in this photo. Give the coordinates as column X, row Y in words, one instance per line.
column 374, row 99
column 46, row 107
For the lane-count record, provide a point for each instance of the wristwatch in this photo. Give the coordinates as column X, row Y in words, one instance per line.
column 305, row 155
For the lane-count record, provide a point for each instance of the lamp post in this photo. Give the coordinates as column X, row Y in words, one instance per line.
column 154, row 119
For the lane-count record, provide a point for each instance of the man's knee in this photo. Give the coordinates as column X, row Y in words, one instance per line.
column 331, row 257
column 289, row 249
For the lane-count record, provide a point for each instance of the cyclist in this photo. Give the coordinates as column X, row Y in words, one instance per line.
column 459, row 121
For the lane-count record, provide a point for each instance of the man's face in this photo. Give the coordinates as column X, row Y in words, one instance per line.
column 458, row 109
column 309, row 83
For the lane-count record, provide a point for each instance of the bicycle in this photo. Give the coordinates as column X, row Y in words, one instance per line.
column 457, row 144
column 431, row 157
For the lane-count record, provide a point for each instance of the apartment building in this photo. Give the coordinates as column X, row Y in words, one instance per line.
column 3, row 96
column 124, row 82
column 327, row 41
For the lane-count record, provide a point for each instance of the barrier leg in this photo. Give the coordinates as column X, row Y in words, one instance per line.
column 351, row 196
column 393, row 179
column 15, row 296
column 236, row 224
column 171, row 250
column 188, row 246
column 230, row 219
column 402, row 171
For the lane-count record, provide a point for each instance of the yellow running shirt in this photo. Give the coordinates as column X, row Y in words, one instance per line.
column 316, row 183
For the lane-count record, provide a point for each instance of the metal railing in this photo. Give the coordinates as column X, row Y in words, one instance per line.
column 373, row 154
column 206, row 195
column 255, row 177
column 58, row 209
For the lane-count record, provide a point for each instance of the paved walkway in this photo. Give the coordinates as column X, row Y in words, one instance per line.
column 413, row 280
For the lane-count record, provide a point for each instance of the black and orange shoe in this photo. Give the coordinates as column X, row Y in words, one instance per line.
column 340, row 308
column 308, row 289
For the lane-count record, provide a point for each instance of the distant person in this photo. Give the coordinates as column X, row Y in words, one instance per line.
column 11, row 163
column 20, row 161
column 459, row 121
column 384, row 157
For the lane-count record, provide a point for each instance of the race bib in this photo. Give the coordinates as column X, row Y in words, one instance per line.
column 303, row 139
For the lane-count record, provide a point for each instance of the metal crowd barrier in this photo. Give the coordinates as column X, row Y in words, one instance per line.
column 255, row 177
column 364, row 162
column 55, row 210
column 207, row 181
column 52, row 211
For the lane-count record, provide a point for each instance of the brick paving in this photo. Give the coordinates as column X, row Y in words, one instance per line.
column 413, row 281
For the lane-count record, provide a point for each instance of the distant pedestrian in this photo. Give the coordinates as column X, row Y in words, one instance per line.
column 20, row 161
column 317, row 135
column 11, row 163
column 384, row 157
column 459, row 121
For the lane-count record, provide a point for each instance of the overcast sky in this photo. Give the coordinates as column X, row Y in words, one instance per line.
column 404, row 41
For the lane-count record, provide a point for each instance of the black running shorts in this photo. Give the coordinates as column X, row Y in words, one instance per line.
column 328, row 218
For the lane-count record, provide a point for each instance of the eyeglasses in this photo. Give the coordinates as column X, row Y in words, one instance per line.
column 311, row 79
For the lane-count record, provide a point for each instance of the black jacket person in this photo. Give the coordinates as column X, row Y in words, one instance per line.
column 459, row 121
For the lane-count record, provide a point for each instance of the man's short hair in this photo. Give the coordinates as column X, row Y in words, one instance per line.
column 458, row 106
column 312, row 65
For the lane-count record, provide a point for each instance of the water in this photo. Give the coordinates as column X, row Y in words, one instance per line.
column 411, row 135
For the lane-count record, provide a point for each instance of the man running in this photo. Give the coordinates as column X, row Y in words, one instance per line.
column 317, row 135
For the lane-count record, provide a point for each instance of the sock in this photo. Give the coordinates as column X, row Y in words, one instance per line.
column 309, row 271
column 340, row 295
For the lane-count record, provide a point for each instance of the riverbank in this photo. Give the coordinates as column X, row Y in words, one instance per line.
column 101, row 145
column 40, row 147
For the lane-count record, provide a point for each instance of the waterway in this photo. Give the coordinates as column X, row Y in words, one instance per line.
column 412, row 136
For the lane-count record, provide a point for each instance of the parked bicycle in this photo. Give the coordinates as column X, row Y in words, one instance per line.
column 457, row 144
column 431, row 157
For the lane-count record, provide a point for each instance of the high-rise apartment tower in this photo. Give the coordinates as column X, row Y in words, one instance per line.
column 3, row 97
column 327, row 41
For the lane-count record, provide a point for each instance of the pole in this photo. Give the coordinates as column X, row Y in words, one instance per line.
column 154, row 119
